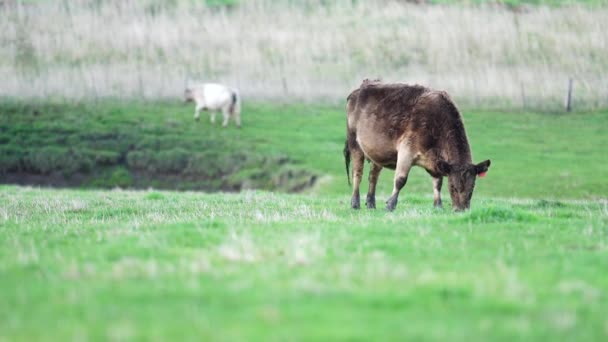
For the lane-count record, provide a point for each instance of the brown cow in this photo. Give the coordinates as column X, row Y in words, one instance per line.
column 397, row 126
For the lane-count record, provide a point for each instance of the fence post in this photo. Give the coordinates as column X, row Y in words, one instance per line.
column 569, row 96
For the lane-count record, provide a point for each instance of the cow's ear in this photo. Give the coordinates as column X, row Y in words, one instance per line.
column 444, row 167
column 482, row 168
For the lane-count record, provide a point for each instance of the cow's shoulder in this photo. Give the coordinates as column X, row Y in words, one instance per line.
column 353, row 95
column 436, row 95
column 396, row 96
column 394, row 89
column 441, row 101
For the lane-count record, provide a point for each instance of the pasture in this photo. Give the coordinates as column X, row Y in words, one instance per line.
column 137, row 144
column 122, row 218
column 264, row 266
column 527, row 262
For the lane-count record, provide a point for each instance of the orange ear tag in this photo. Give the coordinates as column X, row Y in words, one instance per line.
column 482, row 174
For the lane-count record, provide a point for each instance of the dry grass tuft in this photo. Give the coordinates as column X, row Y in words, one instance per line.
column 485, row 56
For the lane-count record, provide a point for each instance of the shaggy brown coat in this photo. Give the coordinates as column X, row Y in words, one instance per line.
column 398, row 126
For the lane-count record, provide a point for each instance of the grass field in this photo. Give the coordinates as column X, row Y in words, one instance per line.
column 543, row 156
column 526, row 263
column 114, row 226
column 79, row 265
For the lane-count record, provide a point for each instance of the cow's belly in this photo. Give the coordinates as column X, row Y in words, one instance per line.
column 378, row 149
column 219, row 102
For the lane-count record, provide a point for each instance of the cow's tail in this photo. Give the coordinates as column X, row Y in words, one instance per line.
column 235, row 103
column 347, row 161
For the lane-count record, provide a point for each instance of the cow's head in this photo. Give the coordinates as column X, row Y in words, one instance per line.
column 461, row 181
column 188, row 95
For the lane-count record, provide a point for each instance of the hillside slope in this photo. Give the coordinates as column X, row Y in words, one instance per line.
column 280, row 147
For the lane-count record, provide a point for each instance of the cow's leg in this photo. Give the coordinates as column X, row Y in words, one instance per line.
column 212, row 113
column 402, row 169
column 437, row 182
column 237, row 118
column 374, row 173
column 358, row 162
column 226, row 114
column 197, row 112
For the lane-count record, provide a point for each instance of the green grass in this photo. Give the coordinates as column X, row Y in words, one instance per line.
column 280, row 146
column 534, row 155
column 98, row 265
column 110, row 144
column 526, row 263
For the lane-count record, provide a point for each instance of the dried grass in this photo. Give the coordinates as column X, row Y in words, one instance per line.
column 486, row 56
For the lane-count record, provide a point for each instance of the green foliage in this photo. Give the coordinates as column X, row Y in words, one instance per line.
column 109, row 146
column 46, row 160
column 110, row 178
column 106, row 158
column 293, row 178
column 10, row 158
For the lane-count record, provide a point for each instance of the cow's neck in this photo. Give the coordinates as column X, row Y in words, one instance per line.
column 457, row 147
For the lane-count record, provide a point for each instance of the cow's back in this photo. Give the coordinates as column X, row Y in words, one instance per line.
column 385, row 108
column 381, row 116
column 213, row 95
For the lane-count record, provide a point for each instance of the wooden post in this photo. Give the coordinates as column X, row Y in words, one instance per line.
column 569, row 96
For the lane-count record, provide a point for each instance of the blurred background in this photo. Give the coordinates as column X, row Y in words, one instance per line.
column 91, row 90
column 494, row 54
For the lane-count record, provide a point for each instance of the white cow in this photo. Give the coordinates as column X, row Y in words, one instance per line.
column 215, row 97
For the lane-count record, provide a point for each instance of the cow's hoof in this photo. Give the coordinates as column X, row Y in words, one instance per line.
column 438, row 205
column 370, row 203
column 197, row 119
column 355, row 203
column 391, row 204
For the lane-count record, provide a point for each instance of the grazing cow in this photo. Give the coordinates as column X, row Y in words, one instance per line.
column 215, row 97
column 398, row 126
